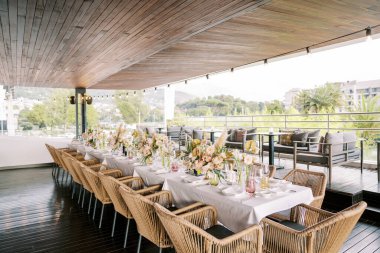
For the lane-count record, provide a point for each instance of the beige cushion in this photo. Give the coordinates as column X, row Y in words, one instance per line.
column 334, row 138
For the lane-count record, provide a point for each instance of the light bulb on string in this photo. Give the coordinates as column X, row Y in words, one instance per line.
column 155, row 90
column 368, row 34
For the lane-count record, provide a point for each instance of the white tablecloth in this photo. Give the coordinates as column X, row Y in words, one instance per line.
column 235, row 213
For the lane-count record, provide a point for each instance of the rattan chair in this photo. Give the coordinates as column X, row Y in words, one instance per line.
column 311, row 230
column 68, row 160
column 148, row 223
column 55, row 159
column 77, row 165
column 96, row 185
column 315, row 180
column 197, row 232
column 112, row 187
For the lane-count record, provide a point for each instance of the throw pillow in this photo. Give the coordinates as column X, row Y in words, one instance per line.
column 333, row 138
column 239, row 135
column 231, row 135
column 250, row 134
column 350, row 139
column 320, row 145
column 197, row 134
column 302, row 137
column 314, row 136
column 286, row 139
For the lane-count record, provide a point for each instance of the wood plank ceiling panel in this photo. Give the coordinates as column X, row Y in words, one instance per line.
column 77, row 43
column 272, row 29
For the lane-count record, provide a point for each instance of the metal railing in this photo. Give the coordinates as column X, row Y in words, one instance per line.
column 365, row 124
column 355, row 121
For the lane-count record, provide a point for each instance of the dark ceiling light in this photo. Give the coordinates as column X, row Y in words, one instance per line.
column 232, row 70
column 266, row 61
column 185, row 81
column 308, row 50
column 368, row 33
column 155, row 89
column 207, row 76
column 72, row 100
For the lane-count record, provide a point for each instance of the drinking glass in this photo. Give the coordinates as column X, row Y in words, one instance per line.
column 251, row 185
column 264, row 181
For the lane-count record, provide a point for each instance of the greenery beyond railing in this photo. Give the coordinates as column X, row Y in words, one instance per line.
column 366, row 125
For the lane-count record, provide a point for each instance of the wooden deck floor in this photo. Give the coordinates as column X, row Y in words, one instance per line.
column 37, row 215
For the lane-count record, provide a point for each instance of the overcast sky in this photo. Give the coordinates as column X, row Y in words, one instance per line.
column 359, row 61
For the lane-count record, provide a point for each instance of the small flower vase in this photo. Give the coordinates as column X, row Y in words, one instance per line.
column 242, row 176
column 213, row 178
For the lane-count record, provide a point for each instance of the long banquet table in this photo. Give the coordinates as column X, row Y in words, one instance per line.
column 234, row 212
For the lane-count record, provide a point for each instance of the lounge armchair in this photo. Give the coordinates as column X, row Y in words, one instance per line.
column 335, row 149
column 238, row 137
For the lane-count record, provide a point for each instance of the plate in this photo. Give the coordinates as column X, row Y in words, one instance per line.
column 231, row 191
column 199, row 182
column 161, row 171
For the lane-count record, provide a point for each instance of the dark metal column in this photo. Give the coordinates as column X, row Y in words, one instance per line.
column 378, row 160
column 79, row 93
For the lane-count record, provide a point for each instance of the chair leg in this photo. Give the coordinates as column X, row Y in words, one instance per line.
column 63, row 175
column 93, row 215
column 57, row 174
column 67, row 176
column 84, row 194
column 80, row 193
column 126, row 234
column 139, row 244
column 101, row 217
column 89, row 203
column 73, row 191
column 114, row 223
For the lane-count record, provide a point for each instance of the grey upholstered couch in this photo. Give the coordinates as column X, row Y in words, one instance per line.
column 334, row 149
column 307, row 141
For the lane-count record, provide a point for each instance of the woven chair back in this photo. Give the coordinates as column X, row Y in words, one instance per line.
column 315, row 180
column 68, row 160
column 112, row 188
column 77, row 165
column 96, row 185
column 148, row 223
column 187, row 237
column 51, row 150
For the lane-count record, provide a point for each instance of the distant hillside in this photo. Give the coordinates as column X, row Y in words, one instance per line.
column 182, row 97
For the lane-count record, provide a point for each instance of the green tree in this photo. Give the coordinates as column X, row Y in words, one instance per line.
column 275, row 107
column 370, row 104
column 132, row 108
column 325, row 98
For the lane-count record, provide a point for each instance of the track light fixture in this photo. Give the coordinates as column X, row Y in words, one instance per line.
column 368, row 33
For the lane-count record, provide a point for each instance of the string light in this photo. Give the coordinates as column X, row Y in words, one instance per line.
column 308, row 50
column 265, row 61
column 168, row 85
column 232, row 70
column 185, row 81
column 134, row 94
column 207, row 76
column 155, row 90
column 368, row 33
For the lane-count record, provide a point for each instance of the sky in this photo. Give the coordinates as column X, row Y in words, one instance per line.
column 359, row 61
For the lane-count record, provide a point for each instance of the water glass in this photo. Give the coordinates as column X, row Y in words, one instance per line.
column 251, row 185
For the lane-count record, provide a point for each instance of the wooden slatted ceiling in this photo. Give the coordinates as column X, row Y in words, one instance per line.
column 77, row 43
column 134, row 44
column 272, row 29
